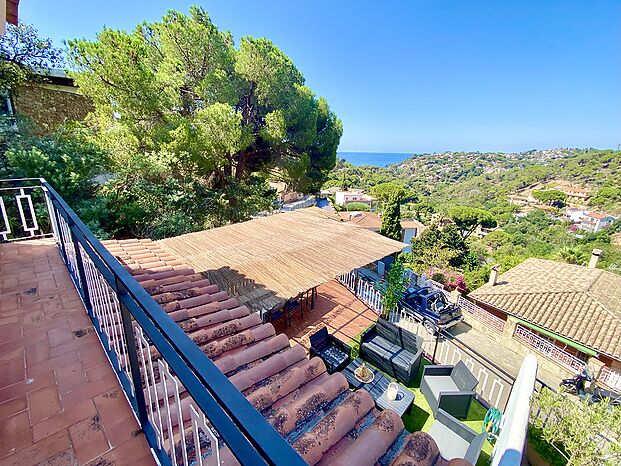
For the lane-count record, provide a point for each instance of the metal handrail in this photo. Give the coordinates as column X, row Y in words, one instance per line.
column 249, row 436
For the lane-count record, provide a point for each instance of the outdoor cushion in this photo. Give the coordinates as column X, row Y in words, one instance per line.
column 451, row 444
column 333, row 356
column 443, row 383
column 382, row 346
column 463, row 377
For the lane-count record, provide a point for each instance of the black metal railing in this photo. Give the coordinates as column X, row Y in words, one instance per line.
column 155, row 361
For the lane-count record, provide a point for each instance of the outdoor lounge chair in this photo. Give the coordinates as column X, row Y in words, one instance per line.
column 455, row 439
column 450, row 388
column 392, row 349
column 332, row 351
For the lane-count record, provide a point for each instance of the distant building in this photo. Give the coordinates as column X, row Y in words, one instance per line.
column 283, row 193
column 371, row 221
column 594, row 222
column 573, row 214
column 575, row 194
column 49, row 101
column 354, row 195
column 8, row 13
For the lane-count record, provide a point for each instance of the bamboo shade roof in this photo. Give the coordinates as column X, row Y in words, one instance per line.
column 268, row 260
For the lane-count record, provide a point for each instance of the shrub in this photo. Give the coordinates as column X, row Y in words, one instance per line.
column 357, row 206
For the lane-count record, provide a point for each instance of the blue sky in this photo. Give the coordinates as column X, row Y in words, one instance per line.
column 421, row 76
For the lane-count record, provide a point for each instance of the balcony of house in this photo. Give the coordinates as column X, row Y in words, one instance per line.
column 60, row 401
column 122, row 353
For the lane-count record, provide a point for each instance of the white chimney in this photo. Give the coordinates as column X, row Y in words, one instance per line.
column 595, row 255
column 493, row 275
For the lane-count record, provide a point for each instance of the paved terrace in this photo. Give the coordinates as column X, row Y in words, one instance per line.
column 60, row 402
column 336, row 308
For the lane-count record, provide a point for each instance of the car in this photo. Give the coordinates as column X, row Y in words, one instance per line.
column 430, row 307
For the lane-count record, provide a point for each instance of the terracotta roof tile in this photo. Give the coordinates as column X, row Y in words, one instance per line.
column 315, row 412
column 577, row 302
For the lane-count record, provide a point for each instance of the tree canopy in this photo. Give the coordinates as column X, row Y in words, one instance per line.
column 468, row 219
column 550, row 196
column 384, row 191
column 213, row 120
column 22, row 51
column 391, row 220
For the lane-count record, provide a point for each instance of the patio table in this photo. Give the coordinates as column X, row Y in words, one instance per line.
column 377, row 388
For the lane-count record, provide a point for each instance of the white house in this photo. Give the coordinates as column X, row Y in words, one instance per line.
column 573, row 214
column 595, row 222
column 354, row 195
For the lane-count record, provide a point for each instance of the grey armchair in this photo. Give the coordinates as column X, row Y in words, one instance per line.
column 450, row 388
column 455, row 439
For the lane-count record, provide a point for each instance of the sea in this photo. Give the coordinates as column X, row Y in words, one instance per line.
column 378, row 159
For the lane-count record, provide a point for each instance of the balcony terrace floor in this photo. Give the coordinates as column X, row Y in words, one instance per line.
column 60, row 401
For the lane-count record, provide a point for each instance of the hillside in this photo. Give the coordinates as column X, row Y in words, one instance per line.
column 484, row 179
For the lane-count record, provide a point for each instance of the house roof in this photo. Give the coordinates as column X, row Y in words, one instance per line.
column 596, row 215
column 573, row 301
column 268, row 260
column 371, row 220
column 324, row 421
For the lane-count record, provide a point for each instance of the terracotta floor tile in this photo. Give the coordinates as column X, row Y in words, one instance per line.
column 62, row 458
column 59, row 335
column 14, row 433
column 131, row 452
column 74, row 344
column 52, row 363
column 27, row 386
column 88, row 390
column 64, row 419
column 12, row 372
column 88, row 439
column 17, row 353
column 45, row 336
column 43, row 403
column 70, row 377
column 14, row 406
column 41, row 452
column 10, row 331
column 37, row 352
column 97, row 372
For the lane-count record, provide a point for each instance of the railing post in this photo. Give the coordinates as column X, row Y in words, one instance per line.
column 130, row 338
column 63, row 249
column 78, row 258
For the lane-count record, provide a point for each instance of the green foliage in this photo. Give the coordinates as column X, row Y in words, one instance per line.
column 474, row 187
column 66, row 159
column 575, row 428
column 437, row 249
column 468, row 219
column 353, row 206
column 385, row 191
column 607, row 196
column 552, row 455
column 572, row 255
column 395, row 287
column 222, row 118
column 550, row 196
column 22, row 50
column 391, row 220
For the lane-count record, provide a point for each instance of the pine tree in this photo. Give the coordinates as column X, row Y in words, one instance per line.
column 391, row 220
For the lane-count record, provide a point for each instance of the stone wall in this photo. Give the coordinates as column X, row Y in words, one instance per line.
column 49, row 106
